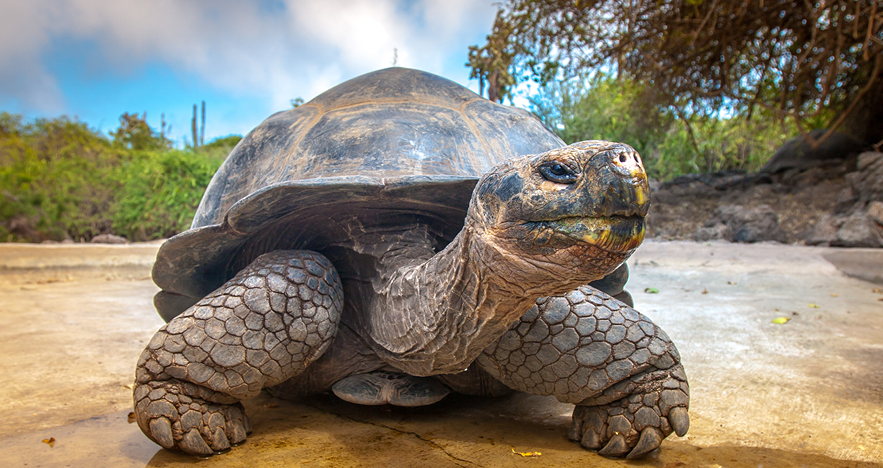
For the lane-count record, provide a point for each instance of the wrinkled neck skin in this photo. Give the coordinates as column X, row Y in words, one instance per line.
column 435, row 316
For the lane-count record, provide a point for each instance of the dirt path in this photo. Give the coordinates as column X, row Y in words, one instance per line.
column 808, row 393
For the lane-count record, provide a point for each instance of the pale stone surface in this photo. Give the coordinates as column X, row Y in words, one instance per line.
column 805, row 393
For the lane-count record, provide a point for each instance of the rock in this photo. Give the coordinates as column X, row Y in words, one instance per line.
column 857, row 220
column 109, row 239
column 797, row 154
column 716, row 232
column 738, row 223
column 875, row 211
column 869, row 182
column 859, row 230
column 825, row 231
column 845, row 199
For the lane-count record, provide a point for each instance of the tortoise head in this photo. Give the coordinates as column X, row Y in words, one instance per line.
column 580, row 207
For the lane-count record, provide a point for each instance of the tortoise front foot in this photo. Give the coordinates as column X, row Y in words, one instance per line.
column 635, row 425
column 171, row 414
column 261, row 328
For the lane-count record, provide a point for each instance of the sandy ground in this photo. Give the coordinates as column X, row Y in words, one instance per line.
column 808, row 393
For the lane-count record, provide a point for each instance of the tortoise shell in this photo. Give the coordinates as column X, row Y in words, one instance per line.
column 394, row 147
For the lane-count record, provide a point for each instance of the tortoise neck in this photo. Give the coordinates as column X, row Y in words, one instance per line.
column 436, row 316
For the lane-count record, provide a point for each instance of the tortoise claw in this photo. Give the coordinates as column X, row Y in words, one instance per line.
column 192, row 443
column 617, row 447
column 680, row 420
column 591, row 440
column 220, row 443
column 161, row 430
column 649, row 441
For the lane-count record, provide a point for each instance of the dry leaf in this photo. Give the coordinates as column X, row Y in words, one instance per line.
column 130, row 386
column 731, row 282
column 271, row 405
column 131, row 417
column 877, row 290
column 50, row 441
column 781, row 320
column 834, row 294
column 813, row 306
column 704, row 291
column 527, row 454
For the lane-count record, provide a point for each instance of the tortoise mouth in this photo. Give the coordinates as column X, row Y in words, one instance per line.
column 611, row 233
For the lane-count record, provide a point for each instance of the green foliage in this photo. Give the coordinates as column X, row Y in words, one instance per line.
column 670, row 142
column 52, row 179
column 159, row 191
column 134, row 133
column 798, row 61
column 59, row 179
column 490, row 64
column 225, row 143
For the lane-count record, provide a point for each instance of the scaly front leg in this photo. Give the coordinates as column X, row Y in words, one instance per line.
column 262, row 327
column 622, row 371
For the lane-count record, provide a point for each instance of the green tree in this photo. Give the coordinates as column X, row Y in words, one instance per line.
column 814, row 63
column 605, row 108
column 135, row 133
column 490, row 64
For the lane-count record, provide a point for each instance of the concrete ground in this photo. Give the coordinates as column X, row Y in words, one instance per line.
column 806, row 393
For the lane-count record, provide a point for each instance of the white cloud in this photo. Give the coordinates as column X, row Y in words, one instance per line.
column 272, row 53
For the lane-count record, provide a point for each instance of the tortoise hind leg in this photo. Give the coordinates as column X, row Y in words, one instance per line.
column 262, row 327
column 621, row 371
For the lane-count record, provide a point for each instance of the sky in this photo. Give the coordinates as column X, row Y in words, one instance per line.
column 95, row 59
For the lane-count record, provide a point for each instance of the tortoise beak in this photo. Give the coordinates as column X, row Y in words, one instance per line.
column 613, row 234
column 616, row 199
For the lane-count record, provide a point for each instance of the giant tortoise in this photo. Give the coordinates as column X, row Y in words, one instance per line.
column 397, row 238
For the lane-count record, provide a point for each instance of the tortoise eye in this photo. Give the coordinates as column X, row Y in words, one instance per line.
column 554, row 171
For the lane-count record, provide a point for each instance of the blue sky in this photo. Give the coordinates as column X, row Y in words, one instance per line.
column 95, row 59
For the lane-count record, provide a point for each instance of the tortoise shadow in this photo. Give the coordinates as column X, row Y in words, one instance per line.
column 458, row 431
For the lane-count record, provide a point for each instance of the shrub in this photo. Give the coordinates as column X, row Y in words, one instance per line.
column 60, row 179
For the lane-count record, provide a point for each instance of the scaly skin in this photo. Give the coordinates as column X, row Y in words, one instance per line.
column 537, row 226
column 264, row 326
column 622, row 371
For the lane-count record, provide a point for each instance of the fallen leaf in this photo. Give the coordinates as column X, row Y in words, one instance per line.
column 130, row 386
column 704, row 291
column 651, row 290
column 131, row 417
column 731, row 282
column 271, row 405
column 880, row 299
column 876, row 290
column 50, row 441
column 781, row 320
column 813, row 306
column 834, row 294
column 527, row 454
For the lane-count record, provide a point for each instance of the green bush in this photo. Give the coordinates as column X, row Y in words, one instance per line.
column 59, row 179
column 160, row 191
